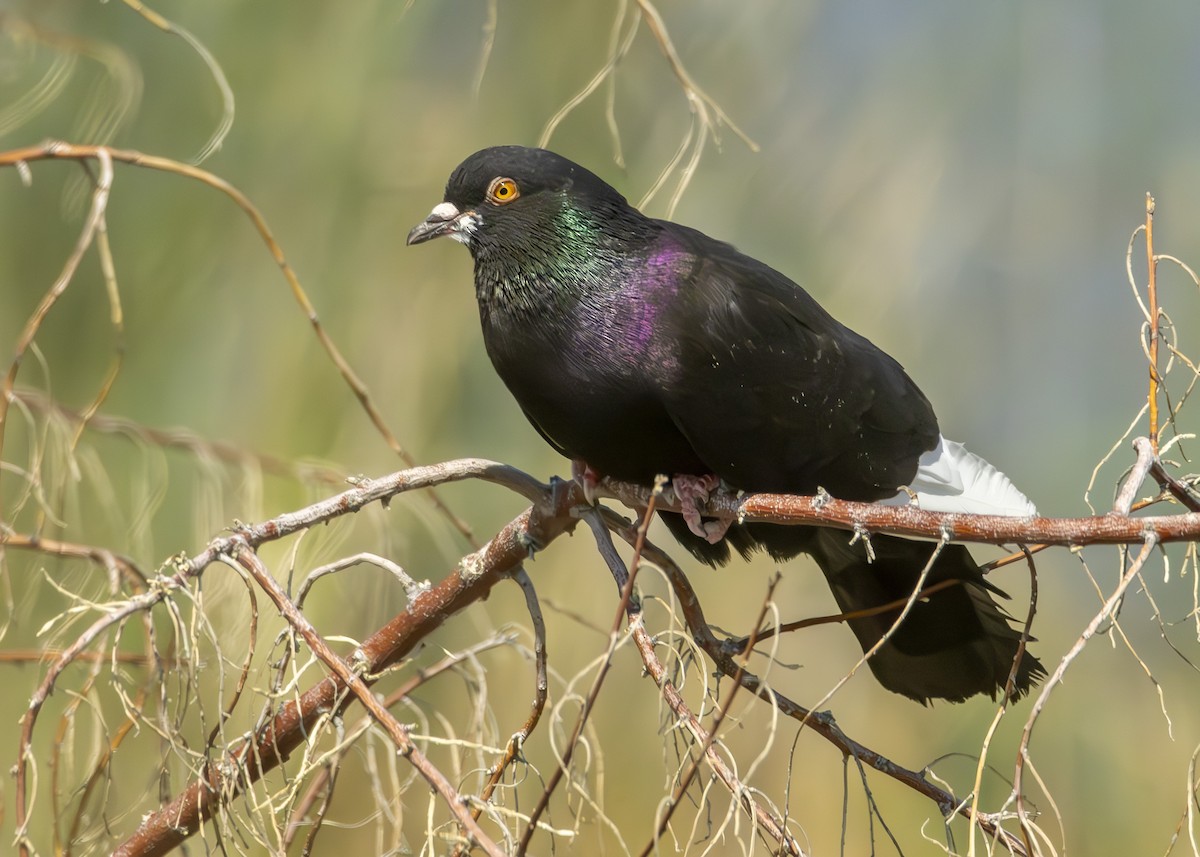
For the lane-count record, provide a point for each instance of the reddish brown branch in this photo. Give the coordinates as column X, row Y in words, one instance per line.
column 909, row 521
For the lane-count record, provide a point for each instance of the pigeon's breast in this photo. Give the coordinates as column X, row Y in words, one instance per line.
column 587, row 374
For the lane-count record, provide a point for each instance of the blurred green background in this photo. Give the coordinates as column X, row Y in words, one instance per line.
column 958, row 182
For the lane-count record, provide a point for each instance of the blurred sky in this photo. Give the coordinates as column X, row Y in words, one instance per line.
column 958, row 182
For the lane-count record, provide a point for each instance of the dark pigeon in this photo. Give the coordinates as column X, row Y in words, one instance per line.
column 640, row 347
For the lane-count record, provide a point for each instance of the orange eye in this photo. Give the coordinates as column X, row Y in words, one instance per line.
column 502, row 191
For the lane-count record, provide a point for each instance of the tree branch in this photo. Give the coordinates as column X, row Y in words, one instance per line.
column 825, row 511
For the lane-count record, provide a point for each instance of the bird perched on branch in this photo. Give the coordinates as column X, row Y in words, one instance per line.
column 640, row 347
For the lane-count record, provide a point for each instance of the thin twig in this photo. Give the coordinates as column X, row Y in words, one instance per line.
column 912, row 599
column 1152, row 292
column 617, row 50
column 1005, row 697
column 321, row 783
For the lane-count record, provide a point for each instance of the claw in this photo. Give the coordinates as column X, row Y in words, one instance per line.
column 689, row 490
column 587, row 478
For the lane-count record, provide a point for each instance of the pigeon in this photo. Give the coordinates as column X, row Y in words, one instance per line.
column 639, row 347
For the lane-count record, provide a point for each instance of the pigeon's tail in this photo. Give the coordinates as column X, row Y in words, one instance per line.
column 954, row 643
column 951, row 479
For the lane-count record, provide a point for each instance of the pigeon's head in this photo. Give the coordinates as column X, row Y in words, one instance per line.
column 512, row 198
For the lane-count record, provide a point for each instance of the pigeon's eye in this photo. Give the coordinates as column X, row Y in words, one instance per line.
column 502, row 191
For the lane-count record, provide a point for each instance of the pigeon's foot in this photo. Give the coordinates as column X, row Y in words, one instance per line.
column 587, row 478
column 689, row 490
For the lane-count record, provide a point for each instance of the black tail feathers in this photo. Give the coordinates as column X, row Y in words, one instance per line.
column 954, row 643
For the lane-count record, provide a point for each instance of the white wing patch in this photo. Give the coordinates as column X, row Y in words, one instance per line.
column 950, row 479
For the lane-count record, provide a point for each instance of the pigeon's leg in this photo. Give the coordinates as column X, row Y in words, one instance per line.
column 587, row 478
column 689, row 490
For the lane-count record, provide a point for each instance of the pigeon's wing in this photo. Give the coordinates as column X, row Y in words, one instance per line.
column 774, row 394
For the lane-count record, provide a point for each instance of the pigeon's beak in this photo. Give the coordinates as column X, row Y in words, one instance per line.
column 445, row 219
